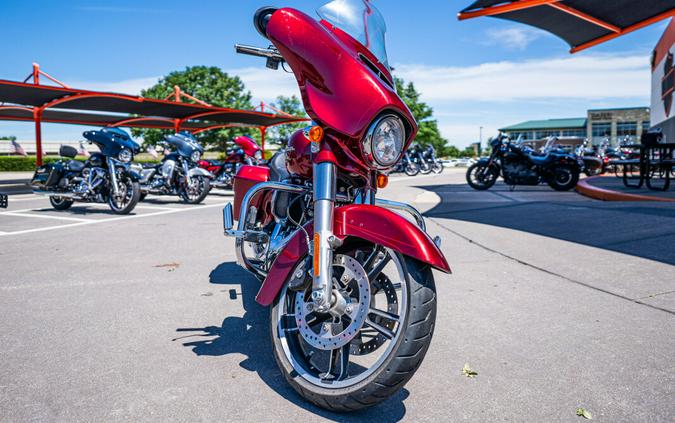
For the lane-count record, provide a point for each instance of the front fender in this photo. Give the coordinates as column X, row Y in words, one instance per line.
column 198, row 171
column 371, row 223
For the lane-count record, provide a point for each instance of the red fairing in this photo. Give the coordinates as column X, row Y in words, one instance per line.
column 247, row 144
column 374, row 224
column 331, row 76
column 299, row 155
column 246, row 177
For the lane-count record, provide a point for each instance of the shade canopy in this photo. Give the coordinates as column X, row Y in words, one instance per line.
column 581, row 23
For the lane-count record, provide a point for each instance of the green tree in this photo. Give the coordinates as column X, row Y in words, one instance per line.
column 452, row 151
column 209, row 84
column 8, row 137
column 293, row 106
column 428, row 132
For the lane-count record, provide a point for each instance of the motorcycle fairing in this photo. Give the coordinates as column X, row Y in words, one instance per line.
column 198, row 171
column 371, row 223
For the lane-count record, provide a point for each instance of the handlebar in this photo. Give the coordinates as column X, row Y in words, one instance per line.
column 270, row 53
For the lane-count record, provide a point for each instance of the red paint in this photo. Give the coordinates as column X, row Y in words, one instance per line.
column 333, row 79
column 372, row 223
column 299, row 155
column 247, row 177
column 247, row 144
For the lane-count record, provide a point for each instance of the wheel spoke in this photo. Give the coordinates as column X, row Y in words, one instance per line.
column 384, row 314
column 339, row 362
column 377, row 269
column 383, row 330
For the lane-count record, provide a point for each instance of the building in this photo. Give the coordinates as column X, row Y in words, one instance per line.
column 663, row 84
column 617, row 124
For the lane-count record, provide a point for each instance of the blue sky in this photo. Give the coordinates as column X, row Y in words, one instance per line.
column 483, row 72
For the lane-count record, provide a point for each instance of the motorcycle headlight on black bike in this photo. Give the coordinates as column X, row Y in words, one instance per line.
column 125, row 155
column 384, row 141
column 195, row 156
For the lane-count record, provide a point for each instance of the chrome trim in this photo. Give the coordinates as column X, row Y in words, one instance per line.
column 403, row 207
column 113, row 177
column 367, row 143
column 324, row 183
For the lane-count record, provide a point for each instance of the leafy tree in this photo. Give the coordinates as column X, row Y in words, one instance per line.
column 428, row 132
column 452, row 151
column 293, row 106
column 8, row 138
column 208, row 84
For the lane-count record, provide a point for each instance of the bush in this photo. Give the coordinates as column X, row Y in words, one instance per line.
column 27, row 164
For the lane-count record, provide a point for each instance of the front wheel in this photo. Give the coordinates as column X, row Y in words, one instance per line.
column 564, row 178
column 196, row 190
column 370, row 343
column 480, row 176
column 437, row 167
column 128, row 195
column 411, row 169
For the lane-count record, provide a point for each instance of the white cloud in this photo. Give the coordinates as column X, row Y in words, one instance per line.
column 267, row 84
column 514, row 38
column 577, row 77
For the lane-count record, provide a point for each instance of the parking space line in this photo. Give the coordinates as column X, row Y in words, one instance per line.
column 112, row 219
column 136, row 207
column 45, row 216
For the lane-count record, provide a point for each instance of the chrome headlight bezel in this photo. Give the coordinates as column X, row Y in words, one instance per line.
column 371, row 151
column 125, row 155
column 195, row 156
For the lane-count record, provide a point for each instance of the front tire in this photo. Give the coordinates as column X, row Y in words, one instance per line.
column 396, row 364
column 130, row 193
column 481, row 177
column 437, row 167
column 60, row 203
column 564, row 178
column 196, row 190
column 411, row 169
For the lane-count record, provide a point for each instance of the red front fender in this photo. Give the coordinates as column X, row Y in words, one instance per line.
column 374, row 224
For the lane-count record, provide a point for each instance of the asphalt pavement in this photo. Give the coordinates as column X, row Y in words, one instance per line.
column 557, row 301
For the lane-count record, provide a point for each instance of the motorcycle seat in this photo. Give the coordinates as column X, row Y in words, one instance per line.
column 75, row 165
column 541, row 160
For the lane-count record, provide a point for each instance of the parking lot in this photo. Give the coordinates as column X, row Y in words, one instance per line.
column 557, row 301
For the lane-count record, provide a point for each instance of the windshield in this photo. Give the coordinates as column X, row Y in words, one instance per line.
column 361, row 20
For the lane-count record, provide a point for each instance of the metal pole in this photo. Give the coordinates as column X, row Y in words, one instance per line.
column 36, row 74
column 176, row 93
column 37, row 116
column 262, row 129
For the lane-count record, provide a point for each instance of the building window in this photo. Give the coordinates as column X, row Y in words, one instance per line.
column 600, row 131
column 579, row 133
column 515, row 135
column 540, row 135
column 646, row 125
column 626, row 128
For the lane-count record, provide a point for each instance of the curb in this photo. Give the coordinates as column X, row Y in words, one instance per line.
column 584, row 188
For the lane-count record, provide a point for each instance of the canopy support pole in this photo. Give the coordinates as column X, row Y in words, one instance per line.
column 504, row 8
column 262, row 129
column 37, row 116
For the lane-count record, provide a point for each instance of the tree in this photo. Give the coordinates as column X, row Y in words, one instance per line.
column 293, row 106
column 208, row 84
column 452, row 151
column 8, row 138
column 428, row 132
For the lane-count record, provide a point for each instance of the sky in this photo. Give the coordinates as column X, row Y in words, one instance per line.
column 483, row 72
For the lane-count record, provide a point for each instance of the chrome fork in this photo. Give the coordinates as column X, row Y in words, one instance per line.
column 113, row 177
column 324, row 240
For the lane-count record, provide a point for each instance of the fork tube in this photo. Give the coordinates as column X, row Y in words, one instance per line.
column 113, row 177
column 324, row 201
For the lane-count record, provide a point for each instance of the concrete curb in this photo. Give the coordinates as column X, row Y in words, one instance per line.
column 584, row 188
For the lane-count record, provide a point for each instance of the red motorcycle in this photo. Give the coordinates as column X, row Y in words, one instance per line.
column 349, row 281
column 247, row 151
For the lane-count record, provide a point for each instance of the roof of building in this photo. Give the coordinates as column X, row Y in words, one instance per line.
column 568, row 123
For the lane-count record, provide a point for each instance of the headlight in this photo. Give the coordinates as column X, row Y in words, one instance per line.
column 195, row 156
column 384, row 141
column 125, row 155
column 258, row 155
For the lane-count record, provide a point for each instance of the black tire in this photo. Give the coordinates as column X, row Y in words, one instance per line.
column 142, row 196
column 395, row 370
column 564, row 178
column 133, row 195
column 480, row 177
column 205, row 187
column 411, row 169
column 437, row 167
column 425, row 169
column 60, row 203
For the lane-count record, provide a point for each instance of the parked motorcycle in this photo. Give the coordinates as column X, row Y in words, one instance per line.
column 178, row 173
column 106, row 176
column 417, row 155
column 593, row 160
column 246, row 152
column 407, row 165
column 349, row 281
column 429, row 156
column 520, row 165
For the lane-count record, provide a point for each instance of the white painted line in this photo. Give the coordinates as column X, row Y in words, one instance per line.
column 113, row 219
column 45, row 216
column 137, row 206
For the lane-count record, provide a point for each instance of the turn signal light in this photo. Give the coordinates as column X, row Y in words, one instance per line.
column 315, row 134
column 382, row 180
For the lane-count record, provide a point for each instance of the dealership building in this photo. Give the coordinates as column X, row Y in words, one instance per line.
column 663, row 83
column 617, row 124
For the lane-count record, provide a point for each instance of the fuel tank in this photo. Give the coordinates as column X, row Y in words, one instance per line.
column 299, row 155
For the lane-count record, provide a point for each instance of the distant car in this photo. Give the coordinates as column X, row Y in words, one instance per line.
column 449, row 162
column 465, row 162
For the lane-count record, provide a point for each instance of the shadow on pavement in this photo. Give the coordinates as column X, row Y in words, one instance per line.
column 249, row 335
column 640, row 229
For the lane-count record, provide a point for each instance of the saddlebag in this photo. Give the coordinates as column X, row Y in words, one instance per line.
column 247, row 177
column 47, row 176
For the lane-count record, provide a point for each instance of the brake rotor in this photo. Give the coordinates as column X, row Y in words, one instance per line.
column 336, row 329
column 359, row 346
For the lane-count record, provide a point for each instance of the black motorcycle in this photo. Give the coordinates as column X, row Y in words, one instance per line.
column 407, row 165
column 520, row 165
column 178, row 173
column 105, row 177
column 429, row 157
